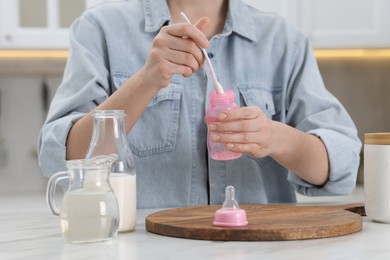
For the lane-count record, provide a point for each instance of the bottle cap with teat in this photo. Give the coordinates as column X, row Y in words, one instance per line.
column 230, row 215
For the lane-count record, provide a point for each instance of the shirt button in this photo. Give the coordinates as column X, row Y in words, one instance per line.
column 210, row 55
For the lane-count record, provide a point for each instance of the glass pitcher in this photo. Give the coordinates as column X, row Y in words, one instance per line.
column 89, row 210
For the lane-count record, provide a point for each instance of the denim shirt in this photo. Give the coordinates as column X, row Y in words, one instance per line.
column 265, row 60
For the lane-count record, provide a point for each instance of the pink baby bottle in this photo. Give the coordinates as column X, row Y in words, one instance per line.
column 218, row 103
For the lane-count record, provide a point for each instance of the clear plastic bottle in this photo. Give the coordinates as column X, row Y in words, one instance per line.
column 109, row 137
column 218, row 103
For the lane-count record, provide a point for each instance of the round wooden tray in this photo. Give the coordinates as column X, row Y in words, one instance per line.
column 266, row 222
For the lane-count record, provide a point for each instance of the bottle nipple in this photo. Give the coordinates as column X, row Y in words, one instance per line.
column 230, row 215
column 230, row 198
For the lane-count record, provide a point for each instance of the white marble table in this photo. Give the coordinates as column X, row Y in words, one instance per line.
column 29, row 231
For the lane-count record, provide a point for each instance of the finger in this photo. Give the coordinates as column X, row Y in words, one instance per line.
column 236, row 138
column 187, row 47
column 182, row 58
column 252, row 149
column 186, row 71
column 184, row 30
column 202, row 24
column 167, row 69
column 251, row 112
column 235, row 126
column 169, row 39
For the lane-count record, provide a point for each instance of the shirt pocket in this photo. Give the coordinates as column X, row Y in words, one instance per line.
column 156, row 130
column 252, row 95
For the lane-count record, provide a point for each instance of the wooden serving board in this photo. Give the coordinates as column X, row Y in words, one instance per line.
column 266, row 222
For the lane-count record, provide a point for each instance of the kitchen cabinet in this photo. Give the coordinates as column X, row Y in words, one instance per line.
column 286, row 8
column 346, row 23
column 43, row 24
column 39, row 24
column 336, row 23
column 23, row 105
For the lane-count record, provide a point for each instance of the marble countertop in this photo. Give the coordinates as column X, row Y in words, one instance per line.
column 29, row 231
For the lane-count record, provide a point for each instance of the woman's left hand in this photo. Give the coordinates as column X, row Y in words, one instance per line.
column 248, row 130
column 244, row 130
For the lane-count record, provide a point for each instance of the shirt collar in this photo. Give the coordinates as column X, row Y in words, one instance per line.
column 238, row 21
column 156, row 14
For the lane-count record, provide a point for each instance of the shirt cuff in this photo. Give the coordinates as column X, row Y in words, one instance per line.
column 52, row 143
column 343, row 152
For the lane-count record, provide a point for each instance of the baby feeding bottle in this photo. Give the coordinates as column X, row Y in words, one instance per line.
column 109, row 137
column 89, row 211
column 218, row 103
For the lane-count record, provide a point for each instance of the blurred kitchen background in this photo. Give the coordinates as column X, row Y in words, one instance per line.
column 351, row 40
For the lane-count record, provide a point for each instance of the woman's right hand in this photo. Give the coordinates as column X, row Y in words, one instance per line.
column 175, row 50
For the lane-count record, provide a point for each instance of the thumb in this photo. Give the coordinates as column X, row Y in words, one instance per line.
column 202, row 24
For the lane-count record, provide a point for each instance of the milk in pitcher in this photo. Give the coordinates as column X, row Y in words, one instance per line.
column 89, row 216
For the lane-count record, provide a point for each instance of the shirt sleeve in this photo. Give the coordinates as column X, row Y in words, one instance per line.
column 312, row 109
column 84, row 86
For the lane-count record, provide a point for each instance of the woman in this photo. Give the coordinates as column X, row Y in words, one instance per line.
column 139, row 56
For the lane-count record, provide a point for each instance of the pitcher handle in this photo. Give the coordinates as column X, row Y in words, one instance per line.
column 51, row 191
